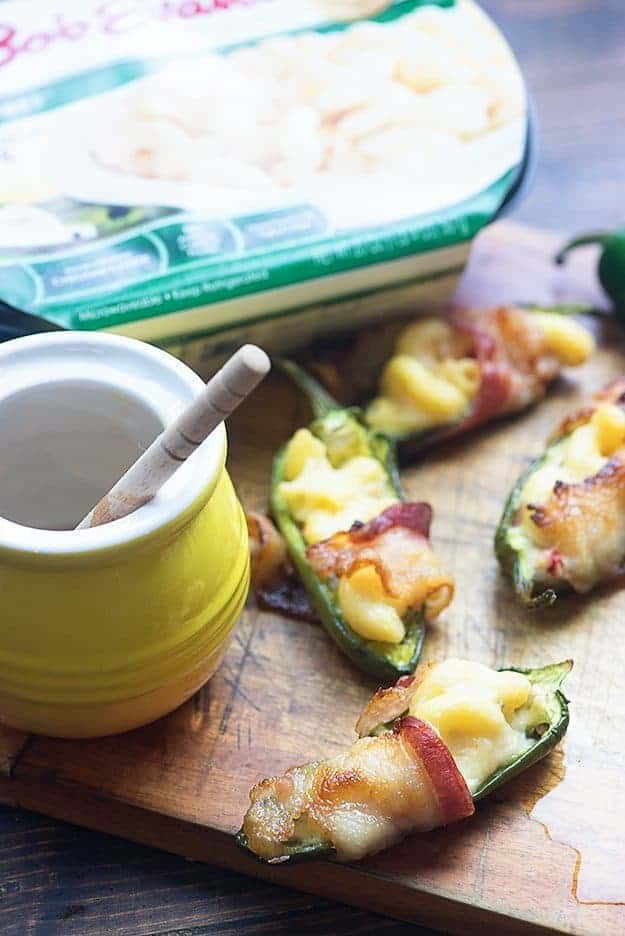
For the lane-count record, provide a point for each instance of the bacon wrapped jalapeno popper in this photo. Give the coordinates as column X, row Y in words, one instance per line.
column 455, row 372
column 563, row 526
column 428, row 748
column 362, row 552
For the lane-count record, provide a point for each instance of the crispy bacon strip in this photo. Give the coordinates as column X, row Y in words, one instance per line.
column 493, row 398
column 276, row 585
column 412, row 516
column 267, row 548
column 396, row 544
column 516, row 367
column 450, row 788
column 613, row 392
column 361, row 801
column 391, row 702
column 584, row 526
column 285, row 594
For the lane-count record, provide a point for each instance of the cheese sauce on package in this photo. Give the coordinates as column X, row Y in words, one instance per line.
column 197, row 173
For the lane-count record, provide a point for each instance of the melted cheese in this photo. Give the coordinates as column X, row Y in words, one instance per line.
column 408, row 379
column 571, row 343
column 479, row 714
column 397, row 417
column 368, row 609
column 578, row 456
column 325, row 500
column 425, row 384
column 428, row 339
column 609, row 423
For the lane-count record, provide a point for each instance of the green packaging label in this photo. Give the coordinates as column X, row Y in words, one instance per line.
column 212, row 151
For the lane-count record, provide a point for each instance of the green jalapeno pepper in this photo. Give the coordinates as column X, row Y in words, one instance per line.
column 296, row 851
column 548, row 719
column 404, row 447
column 512, row 557
column 551, row 711
column 345, row 435
column 611, row 268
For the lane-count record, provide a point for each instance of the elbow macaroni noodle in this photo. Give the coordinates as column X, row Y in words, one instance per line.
column 398, row 96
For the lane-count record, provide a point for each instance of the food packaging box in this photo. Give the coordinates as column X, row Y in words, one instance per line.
column 201, row 173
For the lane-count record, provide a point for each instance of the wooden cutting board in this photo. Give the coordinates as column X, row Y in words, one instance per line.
column 547, row 853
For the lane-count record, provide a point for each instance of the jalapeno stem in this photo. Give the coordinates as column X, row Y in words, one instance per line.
column 321, row 401
column 571, row 308
column 597, row 237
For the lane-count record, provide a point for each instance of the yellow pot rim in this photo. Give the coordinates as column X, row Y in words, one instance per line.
column 166, row 385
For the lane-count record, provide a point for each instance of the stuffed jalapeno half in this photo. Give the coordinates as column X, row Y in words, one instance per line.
column 563, row 526
column 361, row 551
column 452, row 373
column 428, row 748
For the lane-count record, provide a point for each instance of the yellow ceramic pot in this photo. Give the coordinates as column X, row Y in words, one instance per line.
column 107, row 629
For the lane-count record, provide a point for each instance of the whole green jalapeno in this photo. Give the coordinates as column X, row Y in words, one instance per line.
column 611, row 267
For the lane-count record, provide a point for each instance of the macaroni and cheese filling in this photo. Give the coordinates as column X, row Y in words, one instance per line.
column 404, row 97
column 568, row 526
column 437, row 372
column 481, row 714
column 325, row 498
column 372, row 549
column 430, row 381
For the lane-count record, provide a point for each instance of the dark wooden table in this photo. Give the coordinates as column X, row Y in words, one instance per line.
column 56, row 879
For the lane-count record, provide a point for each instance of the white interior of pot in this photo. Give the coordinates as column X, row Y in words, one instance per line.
column 63, row 444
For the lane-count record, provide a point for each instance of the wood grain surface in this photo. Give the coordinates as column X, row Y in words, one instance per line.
column 285, row 694
column 58, row 879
